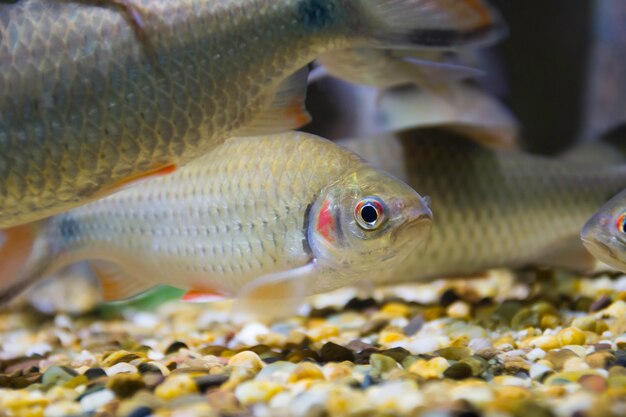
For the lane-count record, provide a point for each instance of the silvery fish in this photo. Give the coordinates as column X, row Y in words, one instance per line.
column 260, row 217
column 97, row 94
column 604, row 234
column 494, row 208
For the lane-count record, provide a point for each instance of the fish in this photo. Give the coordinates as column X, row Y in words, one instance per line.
column 267, row 217
column 494, row 208
column 100, row 94
column 604, row 234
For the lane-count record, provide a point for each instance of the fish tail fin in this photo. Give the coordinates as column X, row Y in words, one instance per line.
column 24, row 257
column 429, row 24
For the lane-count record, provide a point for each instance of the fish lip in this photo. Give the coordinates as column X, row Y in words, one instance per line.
column 421, row 221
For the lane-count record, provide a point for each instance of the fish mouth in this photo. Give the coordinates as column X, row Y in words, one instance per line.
column 417, row 227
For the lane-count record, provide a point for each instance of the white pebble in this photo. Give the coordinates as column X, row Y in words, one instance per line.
column 248, row 335
column 537, row 370
column 423, row 345
column 121, row 368
column 38, row 349
column 145, row 320
column 96, row 400
column 479, row 344
column 536, row 354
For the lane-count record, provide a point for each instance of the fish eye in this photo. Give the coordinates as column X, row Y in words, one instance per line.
column 369, row 213
column 621, row 223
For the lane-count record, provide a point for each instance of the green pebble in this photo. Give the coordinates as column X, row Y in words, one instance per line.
column 382, row 363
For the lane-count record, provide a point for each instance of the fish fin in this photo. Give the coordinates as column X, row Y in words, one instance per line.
column 117, row 284
column 440, row 24
column 286, row 110
column 133, row 179
column 570, row 254
column 22, row 261
column 466, row 110
column 275, row 295
column 392, row 68
column 195, row 296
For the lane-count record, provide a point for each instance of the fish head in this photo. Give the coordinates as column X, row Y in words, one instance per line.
column 604, row 234
column 366, row 221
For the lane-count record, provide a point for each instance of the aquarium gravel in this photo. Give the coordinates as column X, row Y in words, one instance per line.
column 543, row 345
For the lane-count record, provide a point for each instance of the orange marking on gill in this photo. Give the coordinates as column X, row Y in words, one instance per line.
column 326, row 222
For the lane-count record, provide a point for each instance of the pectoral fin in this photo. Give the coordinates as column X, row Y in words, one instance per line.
column 117, row 284
column 276, row 295
column 286, row 110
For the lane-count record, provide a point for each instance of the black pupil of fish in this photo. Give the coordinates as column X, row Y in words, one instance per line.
column 369, row 214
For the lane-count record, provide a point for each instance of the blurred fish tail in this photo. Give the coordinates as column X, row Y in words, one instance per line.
column 24, row 257
column 432, row 24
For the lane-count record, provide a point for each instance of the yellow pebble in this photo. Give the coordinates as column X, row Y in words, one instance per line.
column 617, row 309
column 324, row 332
column 306, row 370
column 571, row 336
column 549, row 321
column 176, row 386
column 246, row 359
column 511, row 392
column 252, row 392
column 459, row 310
column 430, row 369
column 546, row 342
column 336, row 371
column 390, row 336
column 504, row 340
column 395, row 310
column 433, row 313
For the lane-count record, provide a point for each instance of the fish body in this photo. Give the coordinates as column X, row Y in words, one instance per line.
column 94, row 94
column 262, row 212
column 494, row 208
column 604, row 234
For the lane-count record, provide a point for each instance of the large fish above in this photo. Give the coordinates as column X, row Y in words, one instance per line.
column 97, row 94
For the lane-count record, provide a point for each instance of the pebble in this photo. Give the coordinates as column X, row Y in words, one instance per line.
column 502, row 356
column 256, row 391
column 248, row 360
column 125, row 385
column 537, row 371
column 97, row 399
column 459, row 370
column 122, row 368
column 332, row 352
column 459, row 310
column 428, row 369
column 176, row 386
